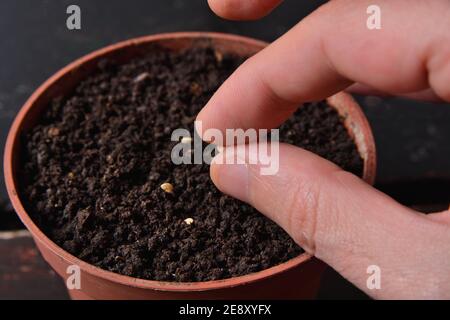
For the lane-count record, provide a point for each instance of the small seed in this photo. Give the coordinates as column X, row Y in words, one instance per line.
column 189, row 221
column 196, row 89
column 71, row 175
column 141, row 77
column 219, row 56
column 167, row 187
column 186, row 140
column 53, row 132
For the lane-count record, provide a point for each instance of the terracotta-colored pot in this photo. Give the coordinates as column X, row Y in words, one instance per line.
column 297, row 278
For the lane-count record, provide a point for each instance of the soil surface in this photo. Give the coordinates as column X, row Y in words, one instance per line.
column 94, row 165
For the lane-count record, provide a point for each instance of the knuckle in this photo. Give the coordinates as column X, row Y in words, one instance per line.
column 315, row 217
column 438, row 66
column 303, row 209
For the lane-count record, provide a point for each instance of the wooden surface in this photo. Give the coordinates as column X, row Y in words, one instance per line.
column 23, row 272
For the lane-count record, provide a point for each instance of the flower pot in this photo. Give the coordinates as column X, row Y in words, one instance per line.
column 296, row 278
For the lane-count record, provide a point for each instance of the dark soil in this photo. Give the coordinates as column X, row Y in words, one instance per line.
column 94, row 166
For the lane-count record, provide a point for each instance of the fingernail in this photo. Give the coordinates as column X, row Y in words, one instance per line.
column 231, row 179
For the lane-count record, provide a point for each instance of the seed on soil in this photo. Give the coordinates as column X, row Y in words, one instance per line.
column 53, row 132
column 219, row 56
column 189, row 221
column 167, row 187
column 71, row 175
column 141, row 77
column 196, row 89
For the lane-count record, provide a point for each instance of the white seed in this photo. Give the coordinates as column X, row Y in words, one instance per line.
column 167, row 187
column 219, row 56
column 189, row 221
column 53, row 132
column 141, row 77
column 186, row 140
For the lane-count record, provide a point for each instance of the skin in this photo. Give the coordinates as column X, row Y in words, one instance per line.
column 333, row 214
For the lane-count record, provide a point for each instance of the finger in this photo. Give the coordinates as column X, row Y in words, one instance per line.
column 424, row 95
column 443, row 217
column 340, row 219
column 329, row 50
column 243, row 10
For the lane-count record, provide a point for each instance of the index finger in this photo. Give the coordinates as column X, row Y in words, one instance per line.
column 243, row 10
column 331, row 49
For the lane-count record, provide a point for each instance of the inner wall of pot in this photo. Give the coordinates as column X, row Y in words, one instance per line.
column 358, row 129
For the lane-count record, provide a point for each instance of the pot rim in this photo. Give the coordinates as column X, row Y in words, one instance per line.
column 38, row 235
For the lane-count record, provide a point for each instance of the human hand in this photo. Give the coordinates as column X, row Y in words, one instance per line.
column 333, row 214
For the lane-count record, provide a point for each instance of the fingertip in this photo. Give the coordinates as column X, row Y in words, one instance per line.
column 205, row 122
column 222, row 8
column 242, row 10
column 214, row 172
column 198, row 127
column 229, row 177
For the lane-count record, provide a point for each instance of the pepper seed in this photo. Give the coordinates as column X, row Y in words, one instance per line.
column 167, row 187
column 53, row 132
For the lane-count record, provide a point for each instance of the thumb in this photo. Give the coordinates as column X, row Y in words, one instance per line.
column 343, row 221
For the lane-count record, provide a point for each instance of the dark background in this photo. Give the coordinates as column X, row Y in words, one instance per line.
column 412, row 138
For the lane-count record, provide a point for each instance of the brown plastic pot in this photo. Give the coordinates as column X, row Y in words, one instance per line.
column 297, row 278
